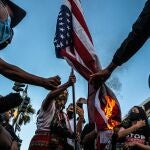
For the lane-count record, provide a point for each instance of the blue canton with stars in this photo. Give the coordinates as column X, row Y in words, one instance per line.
column 63, row 35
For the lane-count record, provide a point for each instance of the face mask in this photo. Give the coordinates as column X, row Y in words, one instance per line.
column 70, row 114
column 134, row 116
column 5, row 30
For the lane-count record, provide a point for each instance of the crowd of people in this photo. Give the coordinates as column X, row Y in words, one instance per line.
column 55, row 128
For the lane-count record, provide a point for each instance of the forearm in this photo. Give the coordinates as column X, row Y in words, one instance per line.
column 136, row 38
column 142, row 146
column 111, row 67
column 54, row 93
column 17, row 74
column 79, row 124
column 123, row 133
column 90, row 136
column 128, row 48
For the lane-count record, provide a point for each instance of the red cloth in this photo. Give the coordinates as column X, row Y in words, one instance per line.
column 46, row 141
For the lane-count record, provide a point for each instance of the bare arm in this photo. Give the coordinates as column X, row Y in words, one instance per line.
column 56, row 92
column 139, row 145
column 80, row 112
column 17, row 74
column 142, row 146
column 90, row 136
column 102, row 75
column 124, row 132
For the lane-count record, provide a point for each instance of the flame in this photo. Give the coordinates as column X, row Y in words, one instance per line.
column 110, row 104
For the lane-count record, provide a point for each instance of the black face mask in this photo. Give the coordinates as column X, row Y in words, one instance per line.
column 135, row 116
column 70, row 114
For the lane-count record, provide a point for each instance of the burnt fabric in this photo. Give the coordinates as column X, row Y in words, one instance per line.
column 73, row 42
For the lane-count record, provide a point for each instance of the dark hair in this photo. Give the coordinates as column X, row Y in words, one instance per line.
column 141, row 112
column 146, row 128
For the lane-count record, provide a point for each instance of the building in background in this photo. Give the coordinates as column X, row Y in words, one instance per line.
column 146, row 106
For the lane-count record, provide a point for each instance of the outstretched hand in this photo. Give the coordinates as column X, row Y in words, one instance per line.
column 100, row 76
column 52, row 82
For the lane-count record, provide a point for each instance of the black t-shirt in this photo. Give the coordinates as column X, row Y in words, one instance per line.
column 141, row 136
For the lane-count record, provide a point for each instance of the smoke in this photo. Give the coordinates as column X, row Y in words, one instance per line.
column 115, row 83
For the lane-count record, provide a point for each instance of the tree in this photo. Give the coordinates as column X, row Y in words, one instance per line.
column 21, row 118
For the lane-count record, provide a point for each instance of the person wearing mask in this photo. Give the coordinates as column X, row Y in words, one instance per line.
column 79, row 122
column 10, row 16
column 5, row 118
column 53, row 126
column 134, row 134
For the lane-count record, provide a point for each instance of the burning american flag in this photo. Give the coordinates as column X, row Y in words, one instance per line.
column 73, row 42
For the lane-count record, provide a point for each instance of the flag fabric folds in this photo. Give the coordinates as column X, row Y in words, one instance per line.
column 73, row 42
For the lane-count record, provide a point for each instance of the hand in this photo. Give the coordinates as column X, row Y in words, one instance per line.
column 127, row 145
column 72, row 79
column 140, row 124
column 52, row 83
column 102, row 75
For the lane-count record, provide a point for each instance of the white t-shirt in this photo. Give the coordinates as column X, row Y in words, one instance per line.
column 45, row 117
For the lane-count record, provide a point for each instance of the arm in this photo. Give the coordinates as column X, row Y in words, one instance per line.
column 142, row 146
column 90, row 136
column 17, row 74
column 139, row 145
column 80, row 112
column 56, row 92
column 136, row 38
column 103, row 75
column 124, row 132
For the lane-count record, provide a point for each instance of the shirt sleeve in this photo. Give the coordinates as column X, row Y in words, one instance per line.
column 136, row 38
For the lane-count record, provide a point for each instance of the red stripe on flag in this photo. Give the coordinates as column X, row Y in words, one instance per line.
column 80, row 18
column 81, row 69
column 84, row 54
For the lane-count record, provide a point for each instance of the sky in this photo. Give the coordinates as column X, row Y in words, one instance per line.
column 109, row 22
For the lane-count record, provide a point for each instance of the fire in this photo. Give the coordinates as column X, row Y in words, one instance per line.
column 110, row 104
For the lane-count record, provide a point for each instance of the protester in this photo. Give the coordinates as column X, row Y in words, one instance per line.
column 5, row 118
column 134, row 134
column 79, row 122
column 135, row 40
column 10, row 16
column 53, row 126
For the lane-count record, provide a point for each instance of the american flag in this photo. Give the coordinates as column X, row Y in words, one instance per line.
column 73, row 42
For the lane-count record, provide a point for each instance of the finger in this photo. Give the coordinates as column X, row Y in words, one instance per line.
column 57, row 79
column 52, row 87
